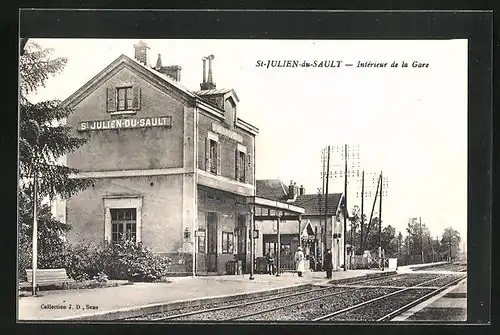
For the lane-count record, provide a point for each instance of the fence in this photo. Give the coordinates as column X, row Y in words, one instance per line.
column 359, row 262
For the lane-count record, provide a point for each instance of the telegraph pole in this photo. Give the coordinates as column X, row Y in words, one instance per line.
column 373, row 208
column 362, row 209
column 326, row 194
column 252, row 245
column 346, row 212
column 35, row 229
column 421, row 240
column 380, row 224
column 323, row 231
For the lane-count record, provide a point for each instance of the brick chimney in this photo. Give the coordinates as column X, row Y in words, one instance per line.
column 302, row 190
column 141, row 52
column 172, row 71
column 208, row 83
column 292, row 191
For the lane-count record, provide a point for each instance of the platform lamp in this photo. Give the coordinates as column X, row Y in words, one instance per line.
column 252, row 243
column 36, row 130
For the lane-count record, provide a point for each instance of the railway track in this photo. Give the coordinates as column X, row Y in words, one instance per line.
column 375, row 299
column 179, row 315
column 443, row 267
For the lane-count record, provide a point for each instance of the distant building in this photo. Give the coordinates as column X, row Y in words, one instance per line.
column 315, row 235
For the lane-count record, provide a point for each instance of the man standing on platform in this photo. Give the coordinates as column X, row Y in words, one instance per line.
column 328, row 263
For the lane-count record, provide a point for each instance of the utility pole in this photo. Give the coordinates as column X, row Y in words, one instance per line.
column 432, row 247
column 449, row 242
column 362, row 209
column 380, row 225
column 323, row 231
column 35, row 228
column 320, row 239
column 421, row 240
column 373, row 208
column 252, row 244
column 326, row 194
column 346, row 211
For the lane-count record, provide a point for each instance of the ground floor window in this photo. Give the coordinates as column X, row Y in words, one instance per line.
column 227, row 243
column 123, row 224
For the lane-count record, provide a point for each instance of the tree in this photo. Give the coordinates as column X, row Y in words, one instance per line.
column 352, row 237
column 450, row 242
column 389, row 241
column 400, row 244
column 43, row 137
column 43, row 140
column 371, row 236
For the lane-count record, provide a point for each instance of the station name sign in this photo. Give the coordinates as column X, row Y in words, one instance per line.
column 143, row 122
column 226, row 132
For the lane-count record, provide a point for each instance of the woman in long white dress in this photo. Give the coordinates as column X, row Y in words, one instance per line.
column 300, row 266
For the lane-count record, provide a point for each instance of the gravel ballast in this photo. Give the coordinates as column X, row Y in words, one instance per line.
column 380, row 308
column 312, row 310
column 236, row 300
column 244, row 310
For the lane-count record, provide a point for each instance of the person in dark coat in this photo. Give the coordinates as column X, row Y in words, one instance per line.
column 328, row 264
column 270, row 262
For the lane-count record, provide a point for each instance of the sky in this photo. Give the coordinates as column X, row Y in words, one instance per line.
column 410, row 123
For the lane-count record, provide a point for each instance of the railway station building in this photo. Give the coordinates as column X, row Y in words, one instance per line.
column 307, row 230
column 171, row 168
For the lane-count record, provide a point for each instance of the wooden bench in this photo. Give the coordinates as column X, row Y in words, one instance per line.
column 46, row 277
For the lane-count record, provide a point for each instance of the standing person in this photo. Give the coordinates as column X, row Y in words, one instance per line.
column 328, row 264
column 270, row 262
column 300, row 261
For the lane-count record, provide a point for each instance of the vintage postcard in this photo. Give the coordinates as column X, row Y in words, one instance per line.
column 239, row 180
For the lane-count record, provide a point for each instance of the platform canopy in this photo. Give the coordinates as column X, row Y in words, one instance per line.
column 266, row 209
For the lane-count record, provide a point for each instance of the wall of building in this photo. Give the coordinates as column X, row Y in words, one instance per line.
column 161, row 210
column 292, row 227
column 125, row 149
column 228, row 150
column 227, row 207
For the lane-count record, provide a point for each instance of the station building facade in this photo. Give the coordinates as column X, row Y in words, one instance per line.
column 171, row 168
column 310, row 230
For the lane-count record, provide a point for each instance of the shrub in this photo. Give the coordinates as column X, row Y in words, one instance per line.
column 121, row 261
column 133, row 261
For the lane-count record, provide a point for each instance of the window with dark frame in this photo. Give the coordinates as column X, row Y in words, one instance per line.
column 227, row 243
column 123, row 224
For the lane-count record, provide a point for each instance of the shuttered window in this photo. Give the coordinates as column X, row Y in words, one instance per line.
column 213, row 155
column 121, row 99
column 240, row 166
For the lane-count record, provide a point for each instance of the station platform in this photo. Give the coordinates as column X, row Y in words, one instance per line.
column 449, row 305
column 106, row 303
column 409, row 268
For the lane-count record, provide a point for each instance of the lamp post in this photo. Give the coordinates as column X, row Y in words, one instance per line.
column 252, row 244
column 35, row 209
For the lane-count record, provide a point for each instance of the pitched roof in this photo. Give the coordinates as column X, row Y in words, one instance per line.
column 131, row 61
column 220, row 91
column 214, row 91
column 275, row 189
column 312, row 202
